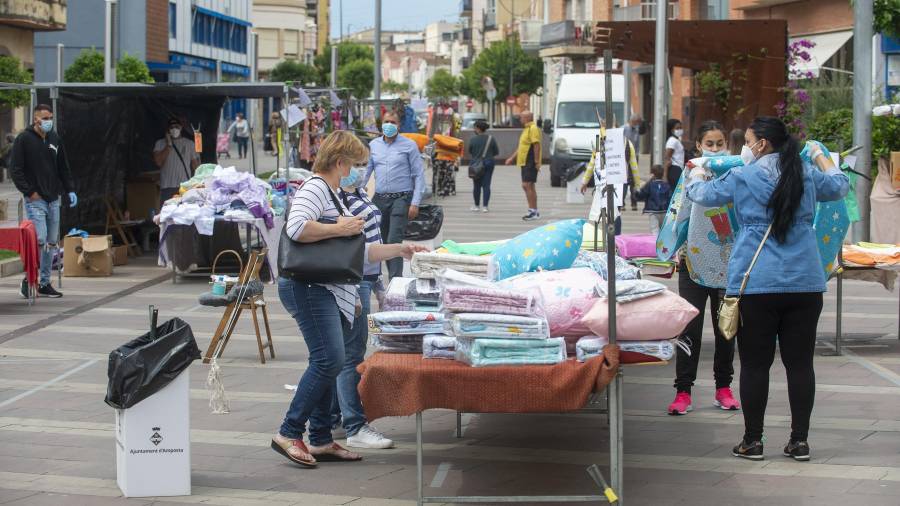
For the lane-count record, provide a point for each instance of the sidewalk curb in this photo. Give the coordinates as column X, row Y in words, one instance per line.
column 11, row 267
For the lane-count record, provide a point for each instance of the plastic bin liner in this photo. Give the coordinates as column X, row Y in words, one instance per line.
column 426, row 225
column 142, row 367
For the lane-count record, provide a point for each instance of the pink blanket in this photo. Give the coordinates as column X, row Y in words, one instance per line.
column 467, row 299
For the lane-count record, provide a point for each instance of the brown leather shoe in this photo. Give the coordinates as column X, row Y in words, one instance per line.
column 334, row 453
column 294, row 450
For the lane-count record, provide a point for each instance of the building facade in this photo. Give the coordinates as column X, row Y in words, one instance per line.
column 286, row 32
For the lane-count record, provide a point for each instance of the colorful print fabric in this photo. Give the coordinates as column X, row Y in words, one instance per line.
column 550, row 247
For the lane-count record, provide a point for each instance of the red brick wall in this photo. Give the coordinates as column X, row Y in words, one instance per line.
column 158, row 31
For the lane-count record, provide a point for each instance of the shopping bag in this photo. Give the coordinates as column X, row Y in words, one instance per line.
column 142, row 367
column 427, row 224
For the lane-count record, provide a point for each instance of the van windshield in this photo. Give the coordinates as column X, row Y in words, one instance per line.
column 584, row 114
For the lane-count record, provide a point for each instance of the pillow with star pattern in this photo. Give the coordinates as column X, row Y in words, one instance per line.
column 550, row 247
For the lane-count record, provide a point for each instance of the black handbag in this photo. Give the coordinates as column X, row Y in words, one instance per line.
column 476, row 168
column 338, row 260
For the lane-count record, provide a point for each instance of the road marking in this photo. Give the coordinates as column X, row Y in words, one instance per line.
column 46, row 384
column 440, row 475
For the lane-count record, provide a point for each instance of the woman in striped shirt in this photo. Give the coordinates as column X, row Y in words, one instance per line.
column 324, row 313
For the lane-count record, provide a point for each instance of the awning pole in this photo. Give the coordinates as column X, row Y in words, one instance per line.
column 862, row 111
column 659, row 83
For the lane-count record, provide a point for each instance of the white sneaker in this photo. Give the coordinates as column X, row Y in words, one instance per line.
column 368, row 437
column 484, row 209
column 474, row 209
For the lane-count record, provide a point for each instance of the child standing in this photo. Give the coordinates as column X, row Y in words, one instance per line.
column 655, row 194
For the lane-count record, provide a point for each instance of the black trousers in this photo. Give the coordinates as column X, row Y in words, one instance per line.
column 793, row 318
column 686, row 366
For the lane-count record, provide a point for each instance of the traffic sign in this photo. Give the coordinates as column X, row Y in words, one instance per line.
column 510, row 101
column 491, row 93
column 470, row 104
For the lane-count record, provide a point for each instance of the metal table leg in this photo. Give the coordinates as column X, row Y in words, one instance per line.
column 458, row 425
column 419, row 495
column 616, row 465
column 839, row 310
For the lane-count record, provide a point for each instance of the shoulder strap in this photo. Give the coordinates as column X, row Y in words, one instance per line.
column 334, row 200
column 486, row 146
column 187, row 171
column 753, row 262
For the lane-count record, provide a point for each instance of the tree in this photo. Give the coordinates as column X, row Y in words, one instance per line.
column 348, row 52
column 11, row 71
column 495, row 61
column 394, row 87
column 87, row 68
column 294, row 71
column 442, row 85
column 133, row 70
column 359, row 76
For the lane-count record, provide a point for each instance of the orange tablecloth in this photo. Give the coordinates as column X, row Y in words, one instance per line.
column 23, row 240
column 405, row 384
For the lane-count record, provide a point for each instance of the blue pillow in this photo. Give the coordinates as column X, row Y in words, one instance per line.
column 549, row 248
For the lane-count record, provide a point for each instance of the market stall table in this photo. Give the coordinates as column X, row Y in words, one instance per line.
column 22, row 238
column 406, row 384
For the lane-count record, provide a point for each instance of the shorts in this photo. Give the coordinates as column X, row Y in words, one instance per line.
column 529, row 174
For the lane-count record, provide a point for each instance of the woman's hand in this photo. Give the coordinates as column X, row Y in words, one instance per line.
column 408, row 250
column 814, row 150
column 350, row 226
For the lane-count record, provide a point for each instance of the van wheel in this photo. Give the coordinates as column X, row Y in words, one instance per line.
column 555, row 181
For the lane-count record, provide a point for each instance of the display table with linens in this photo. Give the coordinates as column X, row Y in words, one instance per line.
column 22, row 238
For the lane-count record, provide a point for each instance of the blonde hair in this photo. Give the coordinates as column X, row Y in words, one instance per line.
column 339, row 146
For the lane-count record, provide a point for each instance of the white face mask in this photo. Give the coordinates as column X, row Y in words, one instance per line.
column 175, row 132
column 678, row 132
column 747, row 155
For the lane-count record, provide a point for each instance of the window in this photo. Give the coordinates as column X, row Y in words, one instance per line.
column 217, row 32
column 268, row 43
column 173, row 20
column 291, row 41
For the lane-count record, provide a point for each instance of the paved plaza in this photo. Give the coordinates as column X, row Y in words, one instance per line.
column 57, row 444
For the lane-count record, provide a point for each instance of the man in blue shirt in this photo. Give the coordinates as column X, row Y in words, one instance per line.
column 399, row 183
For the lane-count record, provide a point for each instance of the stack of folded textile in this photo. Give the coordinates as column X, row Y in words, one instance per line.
column 591, row 346
column 395, row 295
column 482, row 352
column 632, row 289
column 478, row 325
column 402, row 331
column 468, row 299
column 388, row 343
column 428, row 265
column 424, row 294
column 439, row 346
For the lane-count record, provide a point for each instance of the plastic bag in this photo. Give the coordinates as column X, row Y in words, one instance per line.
column 142, row 367
column 427, row 224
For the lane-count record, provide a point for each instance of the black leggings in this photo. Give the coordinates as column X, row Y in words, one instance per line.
column 481, row 187
column 793, row 318
column 686, row 366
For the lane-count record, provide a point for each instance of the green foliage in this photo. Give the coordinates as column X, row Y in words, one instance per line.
column 294, row 71
column 358, row 75
column 885, row 136
column 87, row 68
column 887, row 17
column 393, row 87
column 495, row 61
column 348, row 52
column 132, row 70
column 442, row 85
column 714, row 82
column 11, row 71
column 833, row 128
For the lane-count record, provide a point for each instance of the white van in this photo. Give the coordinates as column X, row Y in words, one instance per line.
column 575, row 126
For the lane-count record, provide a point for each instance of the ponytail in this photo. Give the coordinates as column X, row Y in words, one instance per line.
column 785, row 200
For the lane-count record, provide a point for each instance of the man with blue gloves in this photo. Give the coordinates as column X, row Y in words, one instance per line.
column 40, row 170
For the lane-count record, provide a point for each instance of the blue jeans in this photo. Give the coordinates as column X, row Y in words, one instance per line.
column 347, row 405
column 481, row 187
column 323, row 329
column 394, row 218
column 45, row 216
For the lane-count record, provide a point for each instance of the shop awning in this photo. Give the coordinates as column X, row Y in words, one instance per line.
column 825, row 46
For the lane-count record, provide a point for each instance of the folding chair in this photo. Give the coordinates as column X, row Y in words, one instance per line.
column 115, row 219
column 234, row 310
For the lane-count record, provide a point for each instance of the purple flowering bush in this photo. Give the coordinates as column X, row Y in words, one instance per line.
column 796, row 98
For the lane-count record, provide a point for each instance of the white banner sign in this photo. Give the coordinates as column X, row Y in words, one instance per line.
column 616, row 166
column 294, row 115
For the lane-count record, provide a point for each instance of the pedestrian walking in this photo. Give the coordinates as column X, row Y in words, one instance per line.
column 528, row 159
column 399, row 183
column 655, row 195
column 482, row 150
column 40, row 171
column 240, row 128
column 674, row 156
column 774, row 196
column 447, row 153
column 633, row 131
column 176, row 158
column 325, row 313
column 697, row 288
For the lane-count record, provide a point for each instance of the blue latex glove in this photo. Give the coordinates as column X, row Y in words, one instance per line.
column 73, row 199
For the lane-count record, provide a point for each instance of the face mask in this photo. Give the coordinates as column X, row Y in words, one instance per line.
column 709, row 154
column 46, row 125
column 351, row 180
column 389, row 129
column 175, row 132
column 747, row 155
column 678, row 133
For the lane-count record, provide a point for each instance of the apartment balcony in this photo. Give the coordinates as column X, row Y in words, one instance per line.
column 645, row 11
column 465, row 8
column 38, row 15
column 565, row 39
column 490, row 19
column 530, row 35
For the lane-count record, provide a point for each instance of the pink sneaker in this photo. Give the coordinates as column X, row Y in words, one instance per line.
column 725, row 400
column 681, row 405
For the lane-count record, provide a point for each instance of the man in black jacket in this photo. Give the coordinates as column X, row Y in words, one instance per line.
column 40, row 170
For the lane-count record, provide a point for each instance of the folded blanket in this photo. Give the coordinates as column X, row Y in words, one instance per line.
column 632, row 289
column 423, row 291
column 473, row 248
column 451, row 277
column 395, row 295
column 496, row 325
column 427, row 265
column 487, row 352
column 464, row 299
column 596, row 260
column 397, row 344
column 592, row 346
column 406, row 323
column 439, row 346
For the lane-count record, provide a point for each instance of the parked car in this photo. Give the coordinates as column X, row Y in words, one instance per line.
column 469, row 119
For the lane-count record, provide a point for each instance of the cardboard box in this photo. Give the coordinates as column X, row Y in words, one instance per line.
column 153, row 443
column 120, row 255
column 895, row 169
column 142, row 197
column 88, row 257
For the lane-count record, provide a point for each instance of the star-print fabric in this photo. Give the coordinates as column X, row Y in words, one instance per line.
column 550, row 247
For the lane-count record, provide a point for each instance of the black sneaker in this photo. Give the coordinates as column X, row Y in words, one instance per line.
column 531, row 216
column 750, row 451
column 48, row 291
column 23, row 289
column 797, row 450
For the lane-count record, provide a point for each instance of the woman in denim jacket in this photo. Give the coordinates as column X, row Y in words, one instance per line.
column 783, row 297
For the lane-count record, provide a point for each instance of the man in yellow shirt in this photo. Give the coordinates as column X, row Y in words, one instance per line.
column 528, row 157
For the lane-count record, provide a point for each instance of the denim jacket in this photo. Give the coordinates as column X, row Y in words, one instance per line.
column 783, row 267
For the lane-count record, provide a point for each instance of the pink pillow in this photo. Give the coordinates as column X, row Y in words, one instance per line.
column 568, row 295
column 662, row 316
column 636, row 245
